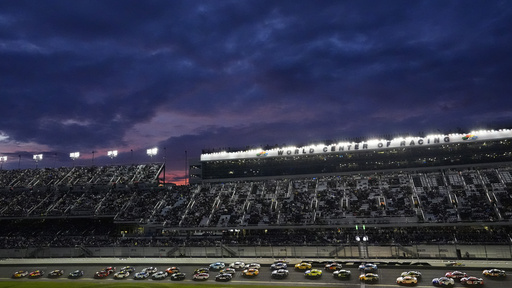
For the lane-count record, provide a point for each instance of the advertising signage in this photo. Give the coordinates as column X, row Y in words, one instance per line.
column 375, row 144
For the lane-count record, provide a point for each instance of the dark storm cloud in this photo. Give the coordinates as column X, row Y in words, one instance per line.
column 84, row 74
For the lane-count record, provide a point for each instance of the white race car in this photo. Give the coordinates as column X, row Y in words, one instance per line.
column 159, row 275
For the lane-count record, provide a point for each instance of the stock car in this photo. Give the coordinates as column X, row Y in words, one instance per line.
column 368, row 267
column 456, row 275
column 122, row 274
column 333, row 266
column 201, row 270
column 56, row 273
column 416, row 274
column 471, row 280
column 494, row 273
column 172, row 270
column 342, row 274
column 141, row 275
column 217, row 265
column 159, row 275
column 36, row 274
column 303, row 266
column 101, row 274
column 369, row 277
column 150, row 270
column 110, row 270
column 178, row 276
column 253, row 265
column 313, row 273
column 407, row 280
column 228, row 270
column 280, row 273
column 76, row 274
column 20, row 274
column 223, row 277
column 237, row 265
column 201, row 276
column 278, row 265
column 443, row 281
column 130, row 269
column 251, row 272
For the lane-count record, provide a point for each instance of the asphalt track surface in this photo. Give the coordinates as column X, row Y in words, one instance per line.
column 387, row 275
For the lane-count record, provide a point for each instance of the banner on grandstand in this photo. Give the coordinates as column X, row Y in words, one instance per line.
column 375, row 144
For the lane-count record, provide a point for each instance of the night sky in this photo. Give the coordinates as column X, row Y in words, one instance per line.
column 83, row 76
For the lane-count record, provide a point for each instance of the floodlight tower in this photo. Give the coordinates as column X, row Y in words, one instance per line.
column 37, row 158
column 112, row 154
column 2, row 160
column 74, row 156
column 152, row 152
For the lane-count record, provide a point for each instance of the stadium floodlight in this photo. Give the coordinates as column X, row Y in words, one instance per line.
column 37, row 158
column 152, row 152
column 74, row 155
column 2, row 160
column 112, row 154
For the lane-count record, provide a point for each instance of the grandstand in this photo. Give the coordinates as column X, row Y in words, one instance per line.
column 446, row 190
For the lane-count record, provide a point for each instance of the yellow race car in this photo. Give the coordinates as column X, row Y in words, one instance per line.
column 303, row 266
column 251, row 272
column 313, row 273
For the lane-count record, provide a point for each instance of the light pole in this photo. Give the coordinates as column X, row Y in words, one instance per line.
column 112, row 154
column 37, row 158
column 93, row 157
column 74, row 156
column 2, row 160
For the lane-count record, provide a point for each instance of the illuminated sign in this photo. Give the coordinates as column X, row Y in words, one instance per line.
column 374, row 144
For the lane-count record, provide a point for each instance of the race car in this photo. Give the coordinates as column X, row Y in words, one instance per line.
column 443, row 281
column 342, row 274
column 122, row 274
column 251, row 272
column 333, row 266
column 141, row 276
column 369, row 277
column 407, row 280
column 159, row 275
column 313, row 273
column 36, row 274
column 20, row 274
column 280, row 273
column 253, row 265
column 223, row 277
column 56, row 273
column 201, row 270
column 130, row 269
column 237, row 265
column 494, row 273
column 76, row 274
column 228, row 270
column 178, row 276
column 303, row 266
column 101, row 274
column 471, row 280
column 278, row 265
column 416, row 274
column 456, row 275
column 217, row 265
column 368, row 267
column 172, row 270
column 201, row 276
column 110, row 270
column 150, row 270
